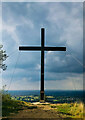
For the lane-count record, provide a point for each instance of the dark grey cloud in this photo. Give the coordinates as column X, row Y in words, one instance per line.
column 63, row 24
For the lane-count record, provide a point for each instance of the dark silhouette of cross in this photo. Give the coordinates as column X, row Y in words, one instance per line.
column 42, row 48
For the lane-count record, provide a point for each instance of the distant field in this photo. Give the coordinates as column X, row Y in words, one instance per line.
column 53, row 96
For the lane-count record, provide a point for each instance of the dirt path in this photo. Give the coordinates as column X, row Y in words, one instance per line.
column 42, row 111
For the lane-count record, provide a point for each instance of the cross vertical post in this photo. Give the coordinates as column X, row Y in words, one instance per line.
column 42, row 65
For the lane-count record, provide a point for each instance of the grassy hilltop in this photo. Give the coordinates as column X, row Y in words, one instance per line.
column 63, row 110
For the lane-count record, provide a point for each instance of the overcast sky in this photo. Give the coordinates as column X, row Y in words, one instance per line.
column 63, row 23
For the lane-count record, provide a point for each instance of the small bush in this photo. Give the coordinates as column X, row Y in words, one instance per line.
column 53, row 106
column 32, row 107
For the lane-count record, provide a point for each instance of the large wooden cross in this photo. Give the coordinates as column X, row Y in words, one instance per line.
column 42, row 48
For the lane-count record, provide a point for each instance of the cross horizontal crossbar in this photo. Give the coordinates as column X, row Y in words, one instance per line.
column 31, row 48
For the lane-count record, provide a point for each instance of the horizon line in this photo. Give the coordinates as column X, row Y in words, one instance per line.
column 47, row 90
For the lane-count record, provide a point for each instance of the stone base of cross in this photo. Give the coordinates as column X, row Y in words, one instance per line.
column 42, row 48
column 42, row 96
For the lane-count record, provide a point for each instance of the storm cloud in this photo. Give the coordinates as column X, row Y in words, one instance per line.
column 63, row 23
